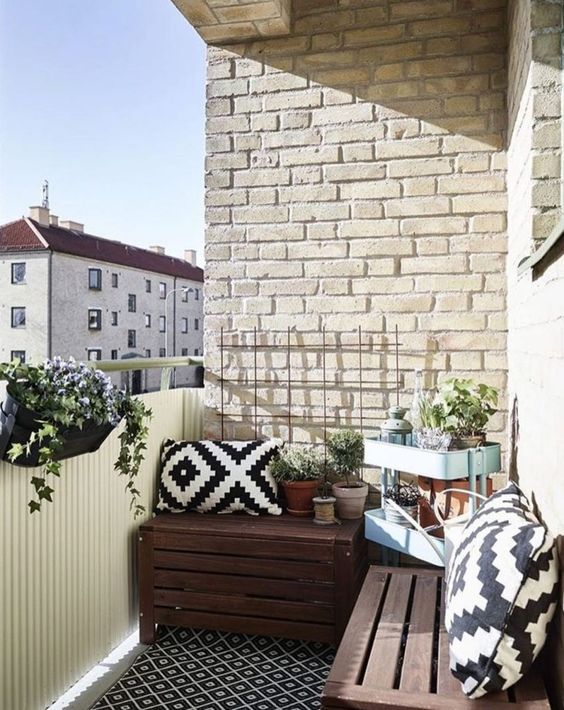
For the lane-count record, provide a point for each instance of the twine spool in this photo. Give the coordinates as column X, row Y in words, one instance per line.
column 324, row 509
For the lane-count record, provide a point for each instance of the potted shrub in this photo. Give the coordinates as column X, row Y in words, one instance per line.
column 467, row 409
column 406, row 496
column 299, row 469
column 324, row 504
column 60, row 409
column 345, row 450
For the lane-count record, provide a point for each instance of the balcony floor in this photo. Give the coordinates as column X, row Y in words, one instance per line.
column 199, row 669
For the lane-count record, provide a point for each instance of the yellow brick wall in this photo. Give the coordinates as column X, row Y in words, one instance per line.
column 356, row 177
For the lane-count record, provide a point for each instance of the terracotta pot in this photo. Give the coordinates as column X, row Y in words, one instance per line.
column 299, row 496
column 452, row 504
column 468, row 442
column 350, row 499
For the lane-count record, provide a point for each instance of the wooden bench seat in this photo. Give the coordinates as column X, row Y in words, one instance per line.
column 272, row 575
column 394, row 653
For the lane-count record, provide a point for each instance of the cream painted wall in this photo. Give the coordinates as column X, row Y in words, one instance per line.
column 33, row 295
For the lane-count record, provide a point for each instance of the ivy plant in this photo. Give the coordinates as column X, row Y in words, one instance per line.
column 66, row 395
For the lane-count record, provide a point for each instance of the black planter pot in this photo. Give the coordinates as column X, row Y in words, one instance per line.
column 18, row 422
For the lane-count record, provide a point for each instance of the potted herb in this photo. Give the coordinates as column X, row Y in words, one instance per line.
column 298, row 468
column 404, row 495
column 432, row 433
column 63, row 408
column 467, row 409
column 324, row 504
column 346, row 457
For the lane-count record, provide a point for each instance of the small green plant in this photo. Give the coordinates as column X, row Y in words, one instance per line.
column 66, row 395
column 345, row 450
column 467, row 406
column 296, row 462
column 404, row 494
column 432, row 414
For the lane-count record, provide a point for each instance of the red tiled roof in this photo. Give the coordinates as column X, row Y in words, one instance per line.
column 19, row 235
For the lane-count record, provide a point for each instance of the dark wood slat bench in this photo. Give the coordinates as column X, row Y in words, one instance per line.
column 273, row 575
column 394, row 653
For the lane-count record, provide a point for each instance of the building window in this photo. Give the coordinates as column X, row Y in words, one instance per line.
column 18, row 355
column 162, row 289
column 18, row 317
column 185, row 296
column 114, row 280
column 147, row 320
column 196, row 324
column 114, row 317
column 185, row 325
column 131, row 339
column 196, row 351
column 114, row 355
column 196, row 294
column 184, row 352
column 95, row 279
column 18, row 273
column 147, row 285
column 132, row 303
column 94, row 319
column 162, row 352
column 94, row 354
column 147, row 353
column 162, row 324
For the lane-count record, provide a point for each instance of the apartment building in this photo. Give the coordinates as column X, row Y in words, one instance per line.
column 65, row 292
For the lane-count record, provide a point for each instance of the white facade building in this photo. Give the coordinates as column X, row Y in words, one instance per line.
column 68, row 293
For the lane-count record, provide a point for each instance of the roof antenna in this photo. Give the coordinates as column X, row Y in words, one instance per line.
column 45, row 191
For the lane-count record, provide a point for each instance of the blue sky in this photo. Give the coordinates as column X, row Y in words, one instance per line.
column 105, row 99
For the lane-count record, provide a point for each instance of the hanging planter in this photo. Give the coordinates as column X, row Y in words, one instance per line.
column 19, row 425
column 61, row 409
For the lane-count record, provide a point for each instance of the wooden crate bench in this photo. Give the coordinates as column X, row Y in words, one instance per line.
column 272, row 575
column 394, row 653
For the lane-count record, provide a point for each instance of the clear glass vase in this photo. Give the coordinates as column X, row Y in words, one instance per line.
column 432, row 439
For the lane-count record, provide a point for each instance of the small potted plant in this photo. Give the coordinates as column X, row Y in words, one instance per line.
column 432, row 434
column 345, row 450
column 60, row 409
column 324, row 504
column 406, row 496
column 467, row 409
column 299, row 469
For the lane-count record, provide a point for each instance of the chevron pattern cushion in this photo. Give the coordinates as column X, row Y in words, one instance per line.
column 218, row 477
column 501, row 594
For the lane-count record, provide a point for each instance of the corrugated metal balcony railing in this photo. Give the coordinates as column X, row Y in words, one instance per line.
column 67, row 582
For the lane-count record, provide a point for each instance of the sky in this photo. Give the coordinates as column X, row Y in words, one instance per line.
column 105, row 100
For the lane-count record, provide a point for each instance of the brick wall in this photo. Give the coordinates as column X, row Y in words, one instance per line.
column 536, row 305
column 355, row 175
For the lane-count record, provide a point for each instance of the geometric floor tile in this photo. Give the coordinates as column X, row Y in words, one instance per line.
column 195, row 669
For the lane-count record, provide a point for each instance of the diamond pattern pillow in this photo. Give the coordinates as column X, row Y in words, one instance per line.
column 501, row 594
column 218, row 477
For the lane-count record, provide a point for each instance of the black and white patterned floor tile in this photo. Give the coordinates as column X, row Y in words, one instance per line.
column 193, row 669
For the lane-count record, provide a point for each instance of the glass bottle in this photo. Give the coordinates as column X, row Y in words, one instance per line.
column 418, row 396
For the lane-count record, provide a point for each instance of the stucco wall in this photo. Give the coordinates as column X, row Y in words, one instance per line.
column 356, row 176
column 536, row 304
column 33, row 295
column 72, row 298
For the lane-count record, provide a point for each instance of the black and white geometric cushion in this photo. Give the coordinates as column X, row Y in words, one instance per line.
column 501, row 594
column 218, row 477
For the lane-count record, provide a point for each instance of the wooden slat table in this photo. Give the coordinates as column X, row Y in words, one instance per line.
column 273, row 575
column 394, row 653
